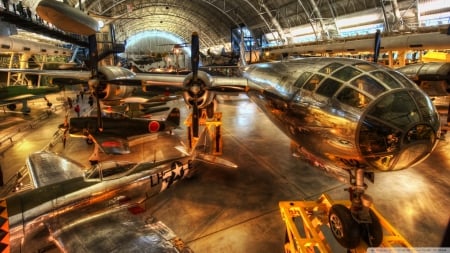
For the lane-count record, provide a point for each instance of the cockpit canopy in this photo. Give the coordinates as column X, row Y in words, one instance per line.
column 398, row 125
column 108, row 170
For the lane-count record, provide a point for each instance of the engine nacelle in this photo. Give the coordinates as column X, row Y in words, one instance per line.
column 198, row 90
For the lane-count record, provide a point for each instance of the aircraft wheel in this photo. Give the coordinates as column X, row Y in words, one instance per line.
column 372, row 233
column 344, row 228
column 89, row 141
column 12, row 107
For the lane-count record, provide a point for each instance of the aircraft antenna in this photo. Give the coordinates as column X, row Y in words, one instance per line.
column 376, row 50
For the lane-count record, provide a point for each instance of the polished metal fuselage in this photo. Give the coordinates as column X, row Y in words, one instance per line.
column 345, row 113
column 103, row 188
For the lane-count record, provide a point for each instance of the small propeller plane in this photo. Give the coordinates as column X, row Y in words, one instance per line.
column 348, row 117
column 113, row 136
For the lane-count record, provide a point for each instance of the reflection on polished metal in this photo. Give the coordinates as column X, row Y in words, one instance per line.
column 66, row 194
column 346, row 116
column 349, row 118
column 342, row 113
column 222, row 210
column 347, row 113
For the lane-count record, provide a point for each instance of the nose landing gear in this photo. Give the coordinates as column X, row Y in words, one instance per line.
column 349, row 225
column 353, row 224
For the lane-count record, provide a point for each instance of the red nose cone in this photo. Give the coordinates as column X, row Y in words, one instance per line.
column 153, row 126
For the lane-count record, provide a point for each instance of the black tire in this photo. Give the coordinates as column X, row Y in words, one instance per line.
column 344, row 228
column 372, row 233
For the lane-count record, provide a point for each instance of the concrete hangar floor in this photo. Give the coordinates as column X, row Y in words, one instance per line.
column 236, row 210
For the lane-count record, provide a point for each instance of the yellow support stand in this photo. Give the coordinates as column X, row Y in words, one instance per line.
column 213, row 128
column 312, row 235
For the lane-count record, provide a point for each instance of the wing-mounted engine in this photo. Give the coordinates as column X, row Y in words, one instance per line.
column 106, row 74
column 198, row 91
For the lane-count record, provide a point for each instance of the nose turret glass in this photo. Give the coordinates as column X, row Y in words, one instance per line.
column 399, row 130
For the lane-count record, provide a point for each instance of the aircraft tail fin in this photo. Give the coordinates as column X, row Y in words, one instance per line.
column 174, row 117
column 202, row 149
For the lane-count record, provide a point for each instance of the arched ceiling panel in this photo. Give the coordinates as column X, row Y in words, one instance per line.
column 215, row 18
column 170, row 26
column 153, row 14
column 174, row 20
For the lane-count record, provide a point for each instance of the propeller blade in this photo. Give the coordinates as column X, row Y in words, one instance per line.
column 195, row 119
column 195, row 52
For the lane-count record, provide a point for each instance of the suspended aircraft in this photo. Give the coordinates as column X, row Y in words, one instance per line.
column 348, row 117
column 22, row 52
column 432, row 77
column 11, row 101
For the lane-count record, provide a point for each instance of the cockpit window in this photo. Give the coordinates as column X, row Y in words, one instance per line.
column 387, row 79
column 369, row 85
column 301, row 80
column 405, row 81
column 330, row 68
column 397, row 108
column 353, row 98
column 424, row 103
column 313, row 82
column 346, row 73
column 364, row 66
column 328, row 87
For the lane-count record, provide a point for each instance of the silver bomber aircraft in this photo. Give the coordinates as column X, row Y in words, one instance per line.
column 348, row 117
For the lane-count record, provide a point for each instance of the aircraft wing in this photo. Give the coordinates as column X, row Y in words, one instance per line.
column 115, row 230
column 45, row 168
column 82, row 75
column 175, row 83
column 19, row 99
column 109, row 72
column 164, row 82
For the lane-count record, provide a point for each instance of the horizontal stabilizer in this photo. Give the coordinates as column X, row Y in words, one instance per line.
column 216, row 160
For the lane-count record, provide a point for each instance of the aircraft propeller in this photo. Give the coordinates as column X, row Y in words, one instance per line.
column 194, row 85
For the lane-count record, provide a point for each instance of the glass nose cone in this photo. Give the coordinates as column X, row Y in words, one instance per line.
column 399, row 130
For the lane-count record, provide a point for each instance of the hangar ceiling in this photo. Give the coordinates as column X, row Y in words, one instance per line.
column 213, row 19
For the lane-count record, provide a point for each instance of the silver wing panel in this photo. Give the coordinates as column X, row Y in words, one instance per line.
column 161, row 79
column 118, row 230
column 48, row 168
column 82, row 75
